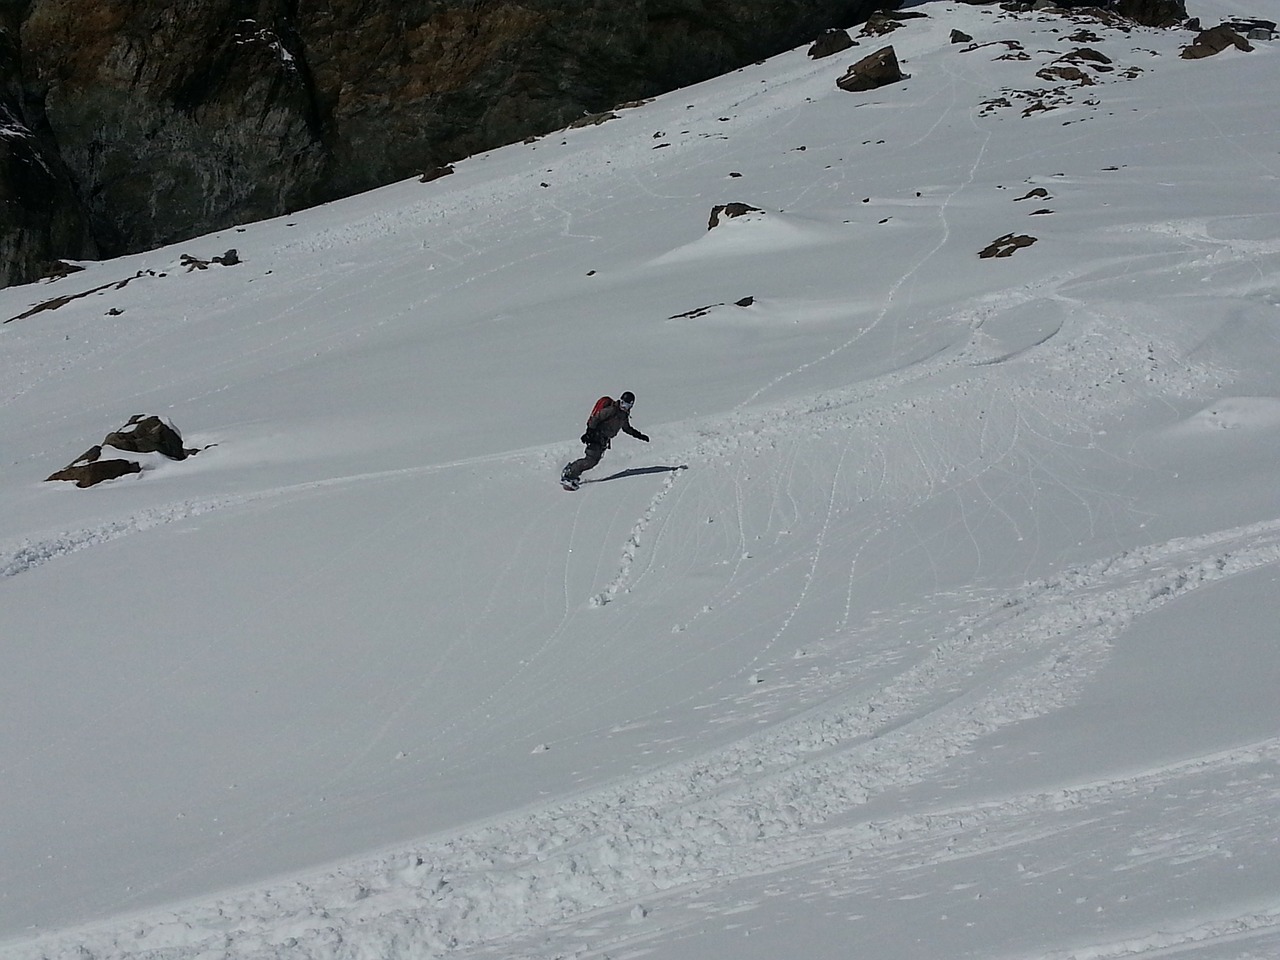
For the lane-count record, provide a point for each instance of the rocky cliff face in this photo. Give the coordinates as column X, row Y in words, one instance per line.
column 127, row 124
column 175, row 118
column 40, row 216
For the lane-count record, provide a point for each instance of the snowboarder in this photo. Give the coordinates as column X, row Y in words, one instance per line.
column 607, row 420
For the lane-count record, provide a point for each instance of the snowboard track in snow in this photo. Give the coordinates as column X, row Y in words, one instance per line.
column 30, row 553
column 759, row 806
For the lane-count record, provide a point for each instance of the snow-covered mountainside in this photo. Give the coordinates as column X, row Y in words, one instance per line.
column 938, row 620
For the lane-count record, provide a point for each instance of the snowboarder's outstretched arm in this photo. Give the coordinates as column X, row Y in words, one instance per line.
column 622, row 423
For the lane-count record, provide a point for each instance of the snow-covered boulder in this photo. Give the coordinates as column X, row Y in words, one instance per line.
column 142, row 435
column 735, row 209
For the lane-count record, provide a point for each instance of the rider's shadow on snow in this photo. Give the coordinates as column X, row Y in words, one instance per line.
column 637, row 472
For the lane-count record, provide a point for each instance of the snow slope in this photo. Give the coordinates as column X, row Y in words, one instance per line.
column 938, row 620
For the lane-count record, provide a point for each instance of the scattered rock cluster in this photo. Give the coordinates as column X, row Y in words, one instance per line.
column 229, row 259
column 1006, row 246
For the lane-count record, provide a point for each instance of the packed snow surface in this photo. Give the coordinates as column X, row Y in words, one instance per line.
column 939, row 619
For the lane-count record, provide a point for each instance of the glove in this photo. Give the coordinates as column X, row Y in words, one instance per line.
column 587, row 438
column 641, row 436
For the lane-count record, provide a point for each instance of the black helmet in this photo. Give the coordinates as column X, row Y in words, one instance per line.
column 627, row 397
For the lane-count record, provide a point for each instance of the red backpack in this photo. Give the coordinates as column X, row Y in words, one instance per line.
column 600, row 405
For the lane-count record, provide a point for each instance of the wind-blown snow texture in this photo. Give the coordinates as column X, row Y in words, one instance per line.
column 939, row 619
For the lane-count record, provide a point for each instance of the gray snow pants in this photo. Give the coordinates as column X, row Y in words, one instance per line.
column 590, row 457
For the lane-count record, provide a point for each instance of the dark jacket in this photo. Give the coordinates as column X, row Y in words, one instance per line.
column 607, row 424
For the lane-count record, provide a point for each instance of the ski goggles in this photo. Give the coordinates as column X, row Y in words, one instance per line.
column 625, row 404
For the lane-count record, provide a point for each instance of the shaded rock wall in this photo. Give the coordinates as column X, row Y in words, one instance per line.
column 1152, row 13
column 40, row 214
column 160, row 121
column 175, row 118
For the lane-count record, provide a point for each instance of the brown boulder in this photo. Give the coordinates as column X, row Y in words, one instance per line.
column 1213, row 41
column 1067, row 73
column 89, row 468
column 831, row 42
column 877, row 70
column 147, row 435
column 141, row 435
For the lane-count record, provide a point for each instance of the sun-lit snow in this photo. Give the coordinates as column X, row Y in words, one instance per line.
column 937, row 621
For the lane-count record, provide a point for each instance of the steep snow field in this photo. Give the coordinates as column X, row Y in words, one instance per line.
column 938, row 620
